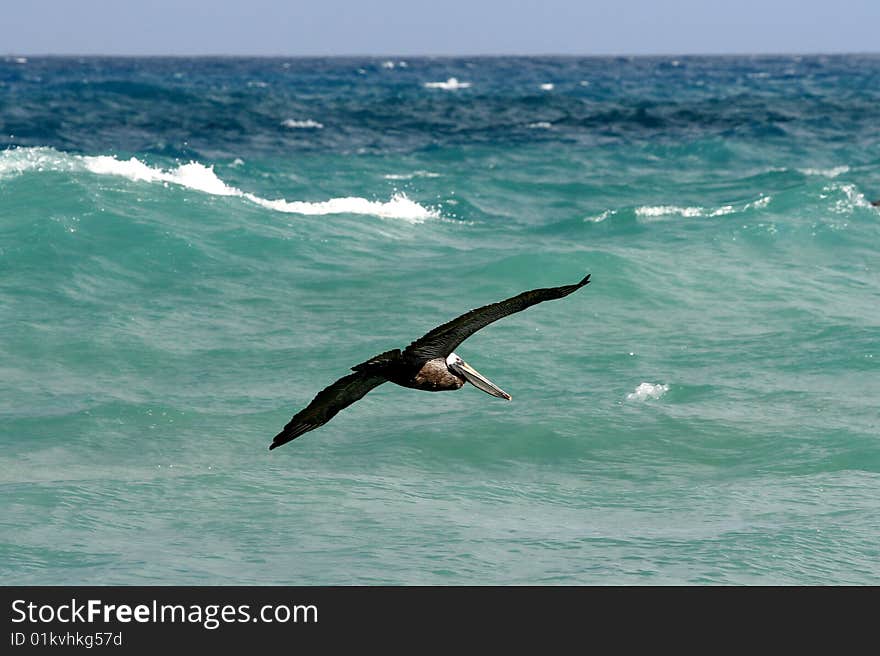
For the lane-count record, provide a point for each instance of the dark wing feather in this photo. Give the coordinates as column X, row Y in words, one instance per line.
column 444, row 339
column 326, row 404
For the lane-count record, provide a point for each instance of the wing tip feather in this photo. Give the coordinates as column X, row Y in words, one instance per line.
column 280, row 440
column 286, row 435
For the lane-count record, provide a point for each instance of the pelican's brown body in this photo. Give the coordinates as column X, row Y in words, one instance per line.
column 431, row 376
column 434, row 376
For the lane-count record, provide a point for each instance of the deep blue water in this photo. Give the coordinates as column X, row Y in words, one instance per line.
column 191, row 248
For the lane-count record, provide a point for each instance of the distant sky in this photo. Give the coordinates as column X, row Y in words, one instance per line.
column 441, row 27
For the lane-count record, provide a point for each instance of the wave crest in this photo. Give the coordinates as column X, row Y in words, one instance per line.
column 200, row 177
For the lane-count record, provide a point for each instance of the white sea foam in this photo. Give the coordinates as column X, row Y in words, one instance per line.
column 852, row 198
column 855, row 196
column 193, row 175
column 651, row 211
column 302, row 124
column 647, row 391
column 410, row 176
column 761, row 203
column 667, row 210
column 452, row 84
column 828, row 173
column 199, row 177
column 600, row 217
column 540, row 125
column 655, row 211
column 388, row 64
column 399, row 207
column 547, row 86
column 16, row 161
column 721, row 211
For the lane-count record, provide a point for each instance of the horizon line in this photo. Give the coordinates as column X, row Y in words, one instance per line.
column 18, row 55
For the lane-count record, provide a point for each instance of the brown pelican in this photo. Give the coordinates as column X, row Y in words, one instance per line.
column 428, row 364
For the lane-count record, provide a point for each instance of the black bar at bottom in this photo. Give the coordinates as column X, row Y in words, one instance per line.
column 135, row 619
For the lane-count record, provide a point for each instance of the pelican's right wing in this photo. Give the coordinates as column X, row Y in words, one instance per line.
column 326, row 404
column 443, row 340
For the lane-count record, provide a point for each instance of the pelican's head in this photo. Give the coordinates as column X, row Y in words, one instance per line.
column 463, row 370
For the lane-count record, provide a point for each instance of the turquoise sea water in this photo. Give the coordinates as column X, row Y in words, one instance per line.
column 191, row 248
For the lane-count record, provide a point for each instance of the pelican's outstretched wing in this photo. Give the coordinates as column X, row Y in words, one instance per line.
column 326, row 404
column 444, row 339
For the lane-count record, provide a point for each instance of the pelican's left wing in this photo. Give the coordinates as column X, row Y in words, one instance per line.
column 326, row 404
column 444, row 339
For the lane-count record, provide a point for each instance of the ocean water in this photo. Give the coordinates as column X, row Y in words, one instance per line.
column 191, row 248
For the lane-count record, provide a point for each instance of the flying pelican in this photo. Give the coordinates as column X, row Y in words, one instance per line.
column 429, row 364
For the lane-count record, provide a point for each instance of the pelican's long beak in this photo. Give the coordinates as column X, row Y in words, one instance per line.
column 479, row 381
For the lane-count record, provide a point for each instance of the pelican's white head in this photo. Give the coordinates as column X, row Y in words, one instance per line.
column 462, row 369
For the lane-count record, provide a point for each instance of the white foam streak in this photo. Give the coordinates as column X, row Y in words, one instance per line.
column 656, row 211
column 828, row 173
column 667, row 210
column 600, row 217
column 761, row 203
column 651, row 211
column 300, row 124
column 452, row 84
column 410, row 176
column 399, row 207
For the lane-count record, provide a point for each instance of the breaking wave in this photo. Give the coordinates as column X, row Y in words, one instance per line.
column 200, row 177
